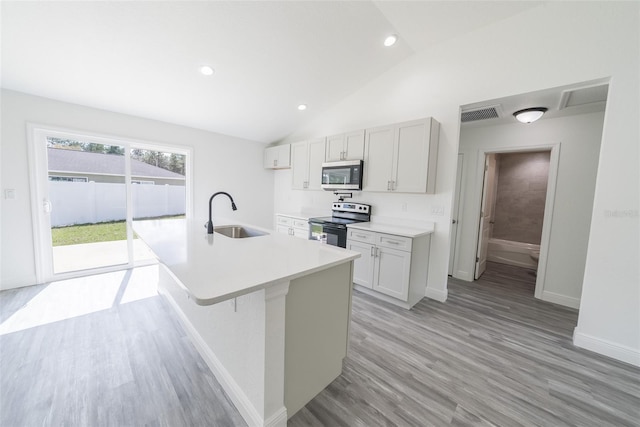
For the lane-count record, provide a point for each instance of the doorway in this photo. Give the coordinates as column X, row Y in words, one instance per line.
column 89, row 189
column 518, row 193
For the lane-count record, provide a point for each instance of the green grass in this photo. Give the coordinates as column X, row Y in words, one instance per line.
column 91, row 233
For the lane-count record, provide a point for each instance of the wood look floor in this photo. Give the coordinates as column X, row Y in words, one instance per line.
column 490, row 355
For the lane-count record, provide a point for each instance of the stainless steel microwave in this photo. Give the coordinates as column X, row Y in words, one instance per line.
column 344, row 175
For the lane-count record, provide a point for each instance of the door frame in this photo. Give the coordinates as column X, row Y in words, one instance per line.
column 454, row 237
column 38, row 177
column 554, row 162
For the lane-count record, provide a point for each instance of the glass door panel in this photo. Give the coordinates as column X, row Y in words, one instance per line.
column 87, row 204
column 158, row 190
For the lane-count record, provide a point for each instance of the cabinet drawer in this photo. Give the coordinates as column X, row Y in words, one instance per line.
column 393, row 242
column 284, row 220
column 299, row 223
column 361, row 236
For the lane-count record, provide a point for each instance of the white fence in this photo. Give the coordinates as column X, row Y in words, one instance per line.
column 91, row 202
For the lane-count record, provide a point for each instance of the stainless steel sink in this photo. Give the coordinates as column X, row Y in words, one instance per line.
column 238, row 231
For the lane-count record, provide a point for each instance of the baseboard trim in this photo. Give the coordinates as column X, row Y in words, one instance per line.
column 237, row 396
column 560, row 299
column 437, row 294
column 606, row 348
column 278, row 419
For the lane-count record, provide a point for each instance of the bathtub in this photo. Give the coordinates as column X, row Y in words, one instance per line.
column 512, row 253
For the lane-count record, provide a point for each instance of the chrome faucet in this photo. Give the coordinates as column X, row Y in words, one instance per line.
column 209, row 224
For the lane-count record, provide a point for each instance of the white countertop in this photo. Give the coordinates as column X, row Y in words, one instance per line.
column 399, row 230
column 215, row 268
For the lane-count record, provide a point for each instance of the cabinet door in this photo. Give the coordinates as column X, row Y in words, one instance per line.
column 391, row 273
column 316, row 158
column 270, row 157
column 335, row 147
column 412, row 151
column 354, row 145
column 284, row 156
column 302, row 233
column 363, row 266
column 379, row 158
column 300, row 172
column 277, row 157
column 283, row 229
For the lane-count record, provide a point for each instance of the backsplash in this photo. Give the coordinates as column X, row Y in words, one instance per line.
column 520, row 200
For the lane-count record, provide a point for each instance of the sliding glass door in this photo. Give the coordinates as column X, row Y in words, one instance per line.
column 87, row 191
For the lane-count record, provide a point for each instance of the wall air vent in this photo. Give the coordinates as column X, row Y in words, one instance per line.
column 483, row 113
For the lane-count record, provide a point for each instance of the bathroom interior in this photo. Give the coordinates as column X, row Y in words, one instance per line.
column 518, row 203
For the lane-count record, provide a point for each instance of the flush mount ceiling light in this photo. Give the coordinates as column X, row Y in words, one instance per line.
column 529, row 115
column 302, row 107
column 206, row 70
column 390, row 40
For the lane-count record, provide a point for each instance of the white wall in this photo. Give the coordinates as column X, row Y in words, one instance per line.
column 579, row 138
column 574, row 42
column 220, row 162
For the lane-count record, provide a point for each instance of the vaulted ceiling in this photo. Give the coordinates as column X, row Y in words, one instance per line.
column 143, row 58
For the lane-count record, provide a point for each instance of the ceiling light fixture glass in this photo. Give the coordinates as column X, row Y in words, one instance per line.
column 390, row 40
column 529, row 115
column 302, row 107
column 206, row 70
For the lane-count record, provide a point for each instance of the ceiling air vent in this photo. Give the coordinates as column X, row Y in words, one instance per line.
column 483, row 113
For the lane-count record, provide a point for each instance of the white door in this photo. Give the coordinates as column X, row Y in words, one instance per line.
column 486, row 213
column 455, row 215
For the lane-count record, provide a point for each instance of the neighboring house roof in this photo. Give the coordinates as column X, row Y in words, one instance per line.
column 72, row 161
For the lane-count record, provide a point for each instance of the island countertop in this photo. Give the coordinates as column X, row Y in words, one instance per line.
column 213, row 267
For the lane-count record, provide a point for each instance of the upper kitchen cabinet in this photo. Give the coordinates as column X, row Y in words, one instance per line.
column 346, row 146
column 307, row 158
column 277, row 157
column 402, row 157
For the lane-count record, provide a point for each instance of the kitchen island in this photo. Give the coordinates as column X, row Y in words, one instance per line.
column 269, row 314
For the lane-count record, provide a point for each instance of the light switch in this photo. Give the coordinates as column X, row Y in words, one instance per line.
column 10, row 194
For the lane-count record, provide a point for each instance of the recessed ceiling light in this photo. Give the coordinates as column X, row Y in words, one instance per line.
column 390, row 40
column 206, row 70
column 302, row 107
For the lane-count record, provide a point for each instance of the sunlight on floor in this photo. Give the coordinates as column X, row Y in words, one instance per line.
column 76, row 297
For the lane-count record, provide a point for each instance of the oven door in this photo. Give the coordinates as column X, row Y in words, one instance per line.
column 331, row 234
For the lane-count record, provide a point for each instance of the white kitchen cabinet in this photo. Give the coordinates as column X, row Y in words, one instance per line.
column 307, row 158
column 391, row 267
column 402, row 157
column 345, row 146
column 277, row 157
column 297, row 227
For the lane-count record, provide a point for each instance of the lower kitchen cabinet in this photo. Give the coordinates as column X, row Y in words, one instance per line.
column 391, row 267
column 297, row 227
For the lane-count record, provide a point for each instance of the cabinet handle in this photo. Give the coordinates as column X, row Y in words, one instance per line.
column 377, row 252
column 388, row 185
column 360, row 236
column 393, row 186
column 393, row 242
column 373, row 252
column 275, row 163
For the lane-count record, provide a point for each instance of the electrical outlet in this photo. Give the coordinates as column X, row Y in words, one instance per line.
column 10, row 194
column 437, row 210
